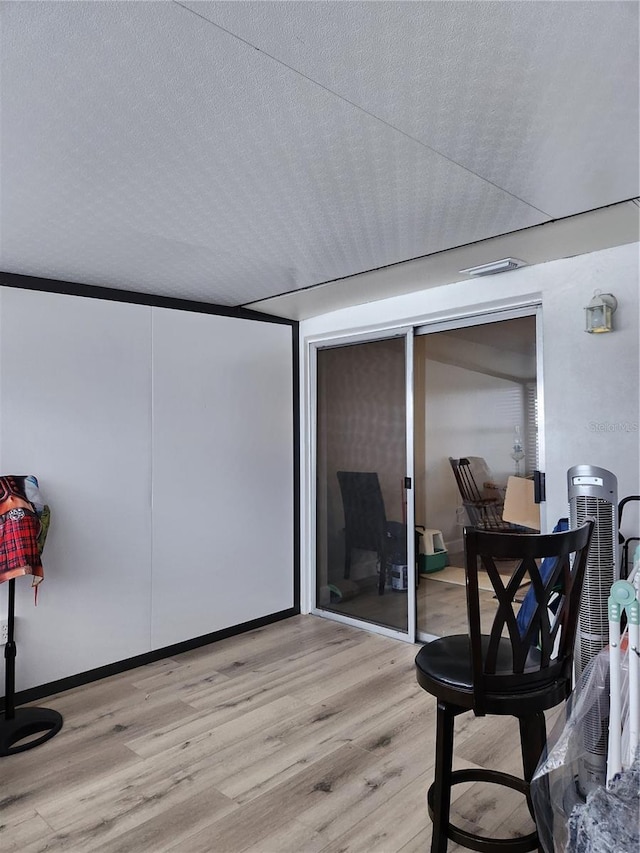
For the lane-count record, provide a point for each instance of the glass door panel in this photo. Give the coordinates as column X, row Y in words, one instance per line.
column 477, row 390
column 362, row 517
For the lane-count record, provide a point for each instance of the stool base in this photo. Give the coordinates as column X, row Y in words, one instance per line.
column 484, row 844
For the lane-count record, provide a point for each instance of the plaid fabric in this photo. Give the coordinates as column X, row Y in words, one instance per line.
column 19, row 553
column 20, row 529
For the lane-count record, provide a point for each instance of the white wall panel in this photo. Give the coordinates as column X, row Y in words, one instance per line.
column 75, row 410
column 222, row 473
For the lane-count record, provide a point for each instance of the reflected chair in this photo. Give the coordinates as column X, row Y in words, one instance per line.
column 503, row 668
column 365, row 522
column 484, row 506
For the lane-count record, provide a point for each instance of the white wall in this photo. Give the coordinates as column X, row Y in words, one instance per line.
column 75, row 410
column 591, row 404
column 163, row 443
column 222, row 473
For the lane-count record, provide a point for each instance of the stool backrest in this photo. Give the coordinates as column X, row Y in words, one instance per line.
column 506, row 658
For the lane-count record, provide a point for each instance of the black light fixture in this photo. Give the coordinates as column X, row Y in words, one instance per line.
column 599, row 313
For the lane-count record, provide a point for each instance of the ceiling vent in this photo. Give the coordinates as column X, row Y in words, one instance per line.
column 494, row 267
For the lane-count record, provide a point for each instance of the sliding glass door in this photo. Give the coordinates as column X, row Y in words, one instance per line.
column 478, row 396
column 364, row 500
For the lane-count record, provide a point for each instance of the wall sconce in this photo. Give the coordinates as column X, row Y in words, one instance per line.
column 599, row 312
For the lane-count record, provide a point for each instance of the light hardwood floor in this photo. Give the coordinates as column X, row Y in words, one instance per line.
column 303, row 736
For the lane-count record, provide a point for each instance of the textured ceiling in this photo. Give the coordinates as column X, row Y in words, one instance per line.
column 231, row 151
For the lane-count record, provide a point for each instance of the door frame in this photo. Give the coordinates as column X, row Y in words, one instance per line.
column 327, row 342
column 484, row 317
column 510, row 308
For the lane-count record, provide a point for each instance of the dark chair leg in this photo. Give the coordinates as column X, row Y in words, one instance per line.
column 442, row 783
column 533, row 737
column 347, row 559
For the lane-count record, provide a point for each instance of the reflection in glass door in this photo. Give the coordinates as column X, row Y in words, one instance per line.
column 477, row 390
column 362, row 515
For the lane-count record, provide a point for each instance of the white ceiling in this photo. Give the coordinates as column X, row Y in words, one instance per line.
column 232, row 151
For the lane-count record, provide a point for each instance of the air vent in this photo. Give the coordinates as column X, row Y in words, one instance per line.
column 494, row 267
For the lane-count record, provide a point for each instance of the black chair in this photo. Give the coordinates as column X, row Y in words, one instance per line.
column 365, row 523
column 504, row 668
column 484, row 511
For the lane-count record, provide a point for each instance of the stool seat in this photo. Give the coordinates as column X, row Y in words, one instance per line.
column 512, row 669
column 444, row 669
column 446, row 663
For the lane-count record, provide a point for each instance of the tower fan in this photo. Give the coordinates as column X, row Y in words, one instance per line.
column 593, row 492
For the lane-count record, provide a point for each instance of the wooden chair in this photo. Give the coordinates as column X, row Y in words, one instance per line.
column 483, row 511
column 504, row 668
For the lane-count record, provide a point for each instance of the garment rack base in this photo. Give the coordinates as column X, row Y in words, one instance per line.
column 17, row 733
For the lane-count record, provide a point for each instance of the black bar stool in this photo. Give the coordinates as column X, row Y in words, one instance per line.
column 511, row 665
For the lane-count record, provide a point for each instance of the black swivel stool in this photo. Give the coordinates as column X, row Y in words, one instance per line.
column 503, row 666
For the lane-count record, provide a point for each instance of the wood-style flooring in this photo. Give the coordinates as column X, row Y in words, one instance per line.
column 305, row 736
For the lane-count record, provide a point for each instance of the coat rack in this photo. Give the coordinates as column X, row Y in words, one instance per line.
column 18, row 724
column 21, row 728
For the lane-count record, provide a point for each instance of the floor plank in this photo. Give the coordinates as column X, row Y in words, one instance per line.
column 21, row 829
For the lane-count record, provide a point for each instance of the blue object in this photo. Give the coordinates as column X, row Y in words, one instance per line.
column 547, row 566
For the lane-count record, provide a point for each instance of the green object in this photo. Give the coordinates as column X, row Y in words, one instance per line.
column 343, row 591
column 623, row 595
column 45, row 520
column 428, row 563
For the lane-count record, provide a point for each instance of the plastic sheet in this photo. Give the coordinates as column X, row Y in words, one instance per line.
column 575, row 812
column 610, row 819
